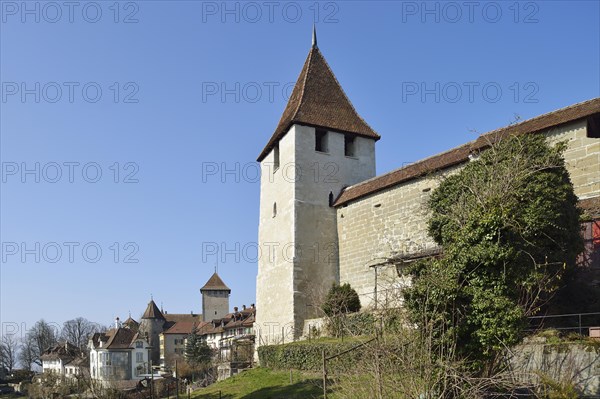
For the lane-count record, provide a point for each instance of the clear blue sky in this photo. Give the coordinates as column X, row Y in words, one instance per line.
column 162, row 125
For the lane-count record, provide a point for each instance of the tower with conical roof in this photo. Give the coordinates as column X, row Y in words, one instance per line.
column 319, row 146
column 215, row 298
column 151, row 326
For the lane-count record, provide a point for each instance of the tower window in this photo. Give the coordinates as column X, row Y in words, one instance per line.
column 593, row 127
column 321, row 140
column 275, row 157
column 349, row 145
column 274, row 209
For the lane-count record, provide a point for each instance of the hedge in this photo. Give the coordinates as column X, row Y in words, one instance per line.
column 307, row 355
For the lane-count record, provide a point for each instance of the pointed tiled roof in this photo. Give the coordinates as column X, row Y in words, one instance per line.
column 152, row 311
column 319, row 100
column 215, row 283
column 131, row 323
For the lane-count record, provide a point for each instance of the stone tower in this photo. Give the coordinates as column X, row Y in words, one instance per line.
column 320, row 146
column 215, row 298
column 151, row 326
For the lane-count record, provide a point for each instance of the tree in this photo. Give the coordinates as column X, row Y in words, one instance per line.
column 27, row 353
column 8, row 352
column 41, row 337
column 78, row 331
column 197, row 351
column 341, row 299
column 508, row 224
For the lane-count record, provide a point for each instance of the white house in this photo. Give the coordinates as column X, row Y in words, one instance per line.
column 119, row 354
column 63, row 359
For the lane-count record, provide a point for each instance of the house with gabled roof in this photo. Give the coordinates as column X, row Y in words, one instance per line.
column 64, row 359
column 119, row 354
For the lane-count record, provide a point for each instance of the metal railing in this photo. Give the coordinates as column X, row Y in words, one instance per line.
column 579, row 322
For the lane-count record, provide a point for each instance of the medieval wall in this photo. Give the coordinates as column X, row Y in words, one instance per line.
column 394, row 221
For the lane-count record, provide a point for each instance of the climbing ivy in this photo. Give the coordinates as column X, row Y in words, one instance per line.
column 508, row 224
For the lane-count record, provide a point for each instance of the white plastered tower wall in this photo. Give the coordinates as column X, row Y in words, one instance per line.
column 298, row 229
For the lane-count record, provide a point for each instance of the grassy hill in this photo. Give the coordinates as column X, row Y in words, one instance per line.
column 263, row 383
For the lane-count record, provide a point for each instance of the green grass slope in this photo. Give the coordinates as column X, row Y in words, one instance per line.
column 263, row 383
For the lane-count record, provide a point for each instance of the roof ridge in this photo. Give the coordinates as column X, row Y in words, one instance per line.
column 460, row 153
column 537, row 117
column 302, row 92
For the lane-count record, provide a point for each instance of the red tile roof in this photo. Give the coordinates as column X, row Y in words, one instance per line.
column 152, row 311
column 186, row 317
column 119, row 338
column 215, row 283
column 182, row 327
column 460, row 154
column 65, row 351
column 319, row 100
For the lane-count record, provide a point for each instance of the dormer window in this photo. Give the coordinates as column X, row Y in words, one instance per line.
column 349, row 145
column 321, row 140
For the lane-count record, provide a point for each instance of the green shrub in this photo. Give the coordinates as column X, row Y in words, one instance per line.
column 341, row 299
column 309, row 355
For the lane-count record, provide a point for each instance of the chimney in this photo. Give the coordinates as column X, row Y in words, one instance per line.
column 235, row 309
column 243, row 307
column 252, row 306
column 117, row 322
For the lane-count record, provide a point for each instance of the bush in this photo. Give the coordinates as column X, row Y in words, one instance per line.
column 309, row 355
column 341, row 299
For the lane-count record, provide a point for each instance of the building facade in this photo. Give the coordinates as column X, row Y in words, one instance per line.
column 64, row 359
column 119, row 354
column 325, row 217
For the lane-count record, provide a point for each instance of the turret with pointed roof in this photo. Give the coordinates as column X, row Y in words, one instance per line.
column 318, row 100
column 320, row 146
column 215, row 298
column 151, row 325
column 215, row 283
column 153, row 312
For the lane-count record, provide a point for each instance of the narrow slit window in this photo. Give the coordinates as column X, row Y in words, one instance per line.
column 321, row 140
column 274, row 209
column 276, row 157
column 349, row 145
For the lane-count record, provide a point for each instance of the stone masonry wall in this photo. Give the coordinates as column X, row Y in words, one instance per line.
column 394, row 221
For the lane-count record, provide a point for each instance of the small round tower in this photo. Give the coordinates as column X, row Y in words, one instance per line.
column 151, row 326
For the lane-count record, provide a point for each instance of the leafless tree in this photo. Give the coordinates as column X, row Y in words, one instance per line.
column 27, row 352
column 78, row 331
column 8, row 352
column 41, row 337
